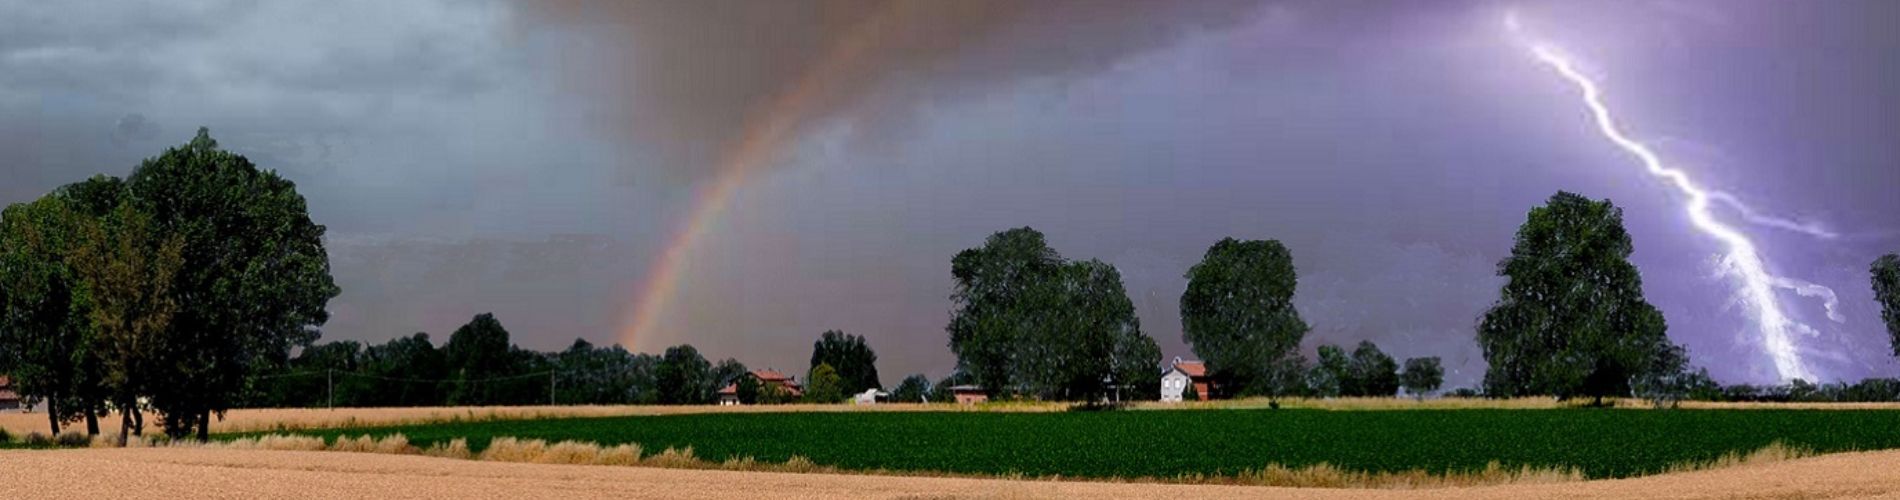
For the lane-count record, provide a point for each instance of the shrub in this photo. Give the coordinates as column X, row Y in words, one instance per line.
column 73, row 440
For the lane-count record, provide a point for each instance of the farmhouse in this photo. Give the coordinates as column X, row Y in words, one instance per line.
column 1183, row 376
column 9, row 397
column 768, row 380
column 969, row 394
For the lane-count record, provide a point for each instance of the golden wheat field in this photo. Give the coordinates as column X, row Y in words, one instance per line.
column 237, row 473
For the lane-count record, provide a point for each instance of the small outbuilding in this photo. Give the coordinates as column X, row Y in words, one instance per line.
column 871, row 396
column 9, row 397
column 969, row 394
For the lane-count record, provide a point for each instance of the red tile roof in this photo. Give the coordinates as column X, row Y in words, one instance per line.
column 1193, row 369
column 729, row 389
column 770, row 376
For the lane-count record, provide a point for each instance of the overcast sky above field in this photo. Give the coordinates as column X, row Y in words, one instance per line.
column 533, row 159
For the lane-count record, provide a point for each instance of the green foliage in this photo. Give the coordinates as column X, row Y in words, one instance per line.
column 824, row 385
column 747, row 389
column 1886, row 271
column 1028, row 322
column 1602, row 444
column 914, row 389
column 255, row 273
column 684, row 377
column 1422, row 376
column 1238, row 312
column 1328, row 377
column 1571, row 321
column 853, row 359
column 475, row 353
column 43, row 333
column 1371, row 372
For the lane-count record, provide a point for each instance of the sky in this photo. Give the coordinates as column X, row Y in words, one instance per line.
column 777, row 169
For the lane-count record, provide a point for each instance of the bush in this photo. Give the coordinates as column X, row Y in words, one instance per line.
column 36, row 439
column 4, row 436
column 73, row 440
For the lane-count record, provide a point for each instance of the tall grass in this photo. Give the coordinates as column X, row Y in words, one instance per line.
column 508, row 449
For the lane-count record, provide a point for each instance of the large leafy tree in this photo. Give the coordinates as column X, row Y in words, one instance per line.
column 1029, row 322
column 255, row 277
column 854, row 360
column 1238, row 312
column 127, row 269
column 989, row 319
column 1085, row 340
column 1571, row 320
column 1886, row 272
column 41, row 331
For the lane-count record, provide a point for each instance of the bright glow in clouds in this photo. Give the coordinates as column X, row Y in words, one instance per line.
column 1743, row 261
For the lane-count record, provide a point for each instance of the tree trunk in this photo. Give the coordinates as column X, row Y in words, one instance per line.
column 125, row 425
column 92, row 421
column 52, row 414
column 204, row 426
column 138, row 420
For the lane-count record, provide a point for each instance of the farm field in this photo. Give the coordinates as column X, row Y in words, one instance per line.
column 1165, row 444
column 218, row 473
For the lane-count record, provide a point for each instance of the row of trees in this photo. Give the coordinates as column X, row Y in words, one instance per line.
column 480, row 365
column 170, row 287
column 1571, row 322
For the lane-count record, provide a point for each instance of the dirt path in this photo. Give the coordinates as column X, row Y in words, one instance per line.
column 182, row 473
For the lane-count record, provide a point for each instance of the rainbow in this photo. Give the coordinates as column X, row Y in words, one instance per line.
column 772, row 126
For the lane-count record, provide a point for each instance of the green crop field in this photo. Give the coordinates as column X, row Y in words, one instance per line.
column 1603, row 443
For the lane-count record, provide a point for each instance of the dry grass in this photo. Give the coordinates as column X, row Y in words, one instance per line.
column 296, row 419
column 1774, row 452
column 507, row 449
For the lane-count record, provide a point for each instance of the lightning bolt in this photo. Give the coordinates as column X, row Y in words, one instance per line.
column 1743, row 260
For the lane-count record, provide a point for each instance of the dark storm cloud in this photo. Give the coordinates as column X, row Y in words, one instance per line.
column 474, row 156
column 684, row 79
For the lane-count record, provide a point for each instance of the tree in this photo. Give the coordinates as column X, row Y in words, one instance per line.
column 748, row 390
column 1886, row 272
column 1238, row 312
column 1571, row 320
column 478, row 354
column 1084, row 337
column 853, row 359
column 254, row 281
column 683, row 377
column 989, row 319
column 1029, row 322
column 824, row 385
column 914, row 389
column 1371, row 372
column 1422, row 376
column 1330, row 376
column 406, row 371
column 40, row 305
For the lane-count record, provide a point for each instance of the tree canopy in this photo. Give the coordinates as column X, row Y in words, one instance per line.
column 1886, row 271
column 1422, row 376
column 1571, row 320
column 1029, row 322
column 850, row 356
column 1238, row 312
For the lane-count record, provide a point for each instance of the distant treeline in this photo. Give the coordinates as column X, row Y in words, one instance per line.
column 479, row 365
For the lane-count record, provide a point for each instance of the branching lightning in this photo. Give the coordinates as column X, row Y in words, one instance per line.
column 1757, row 287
